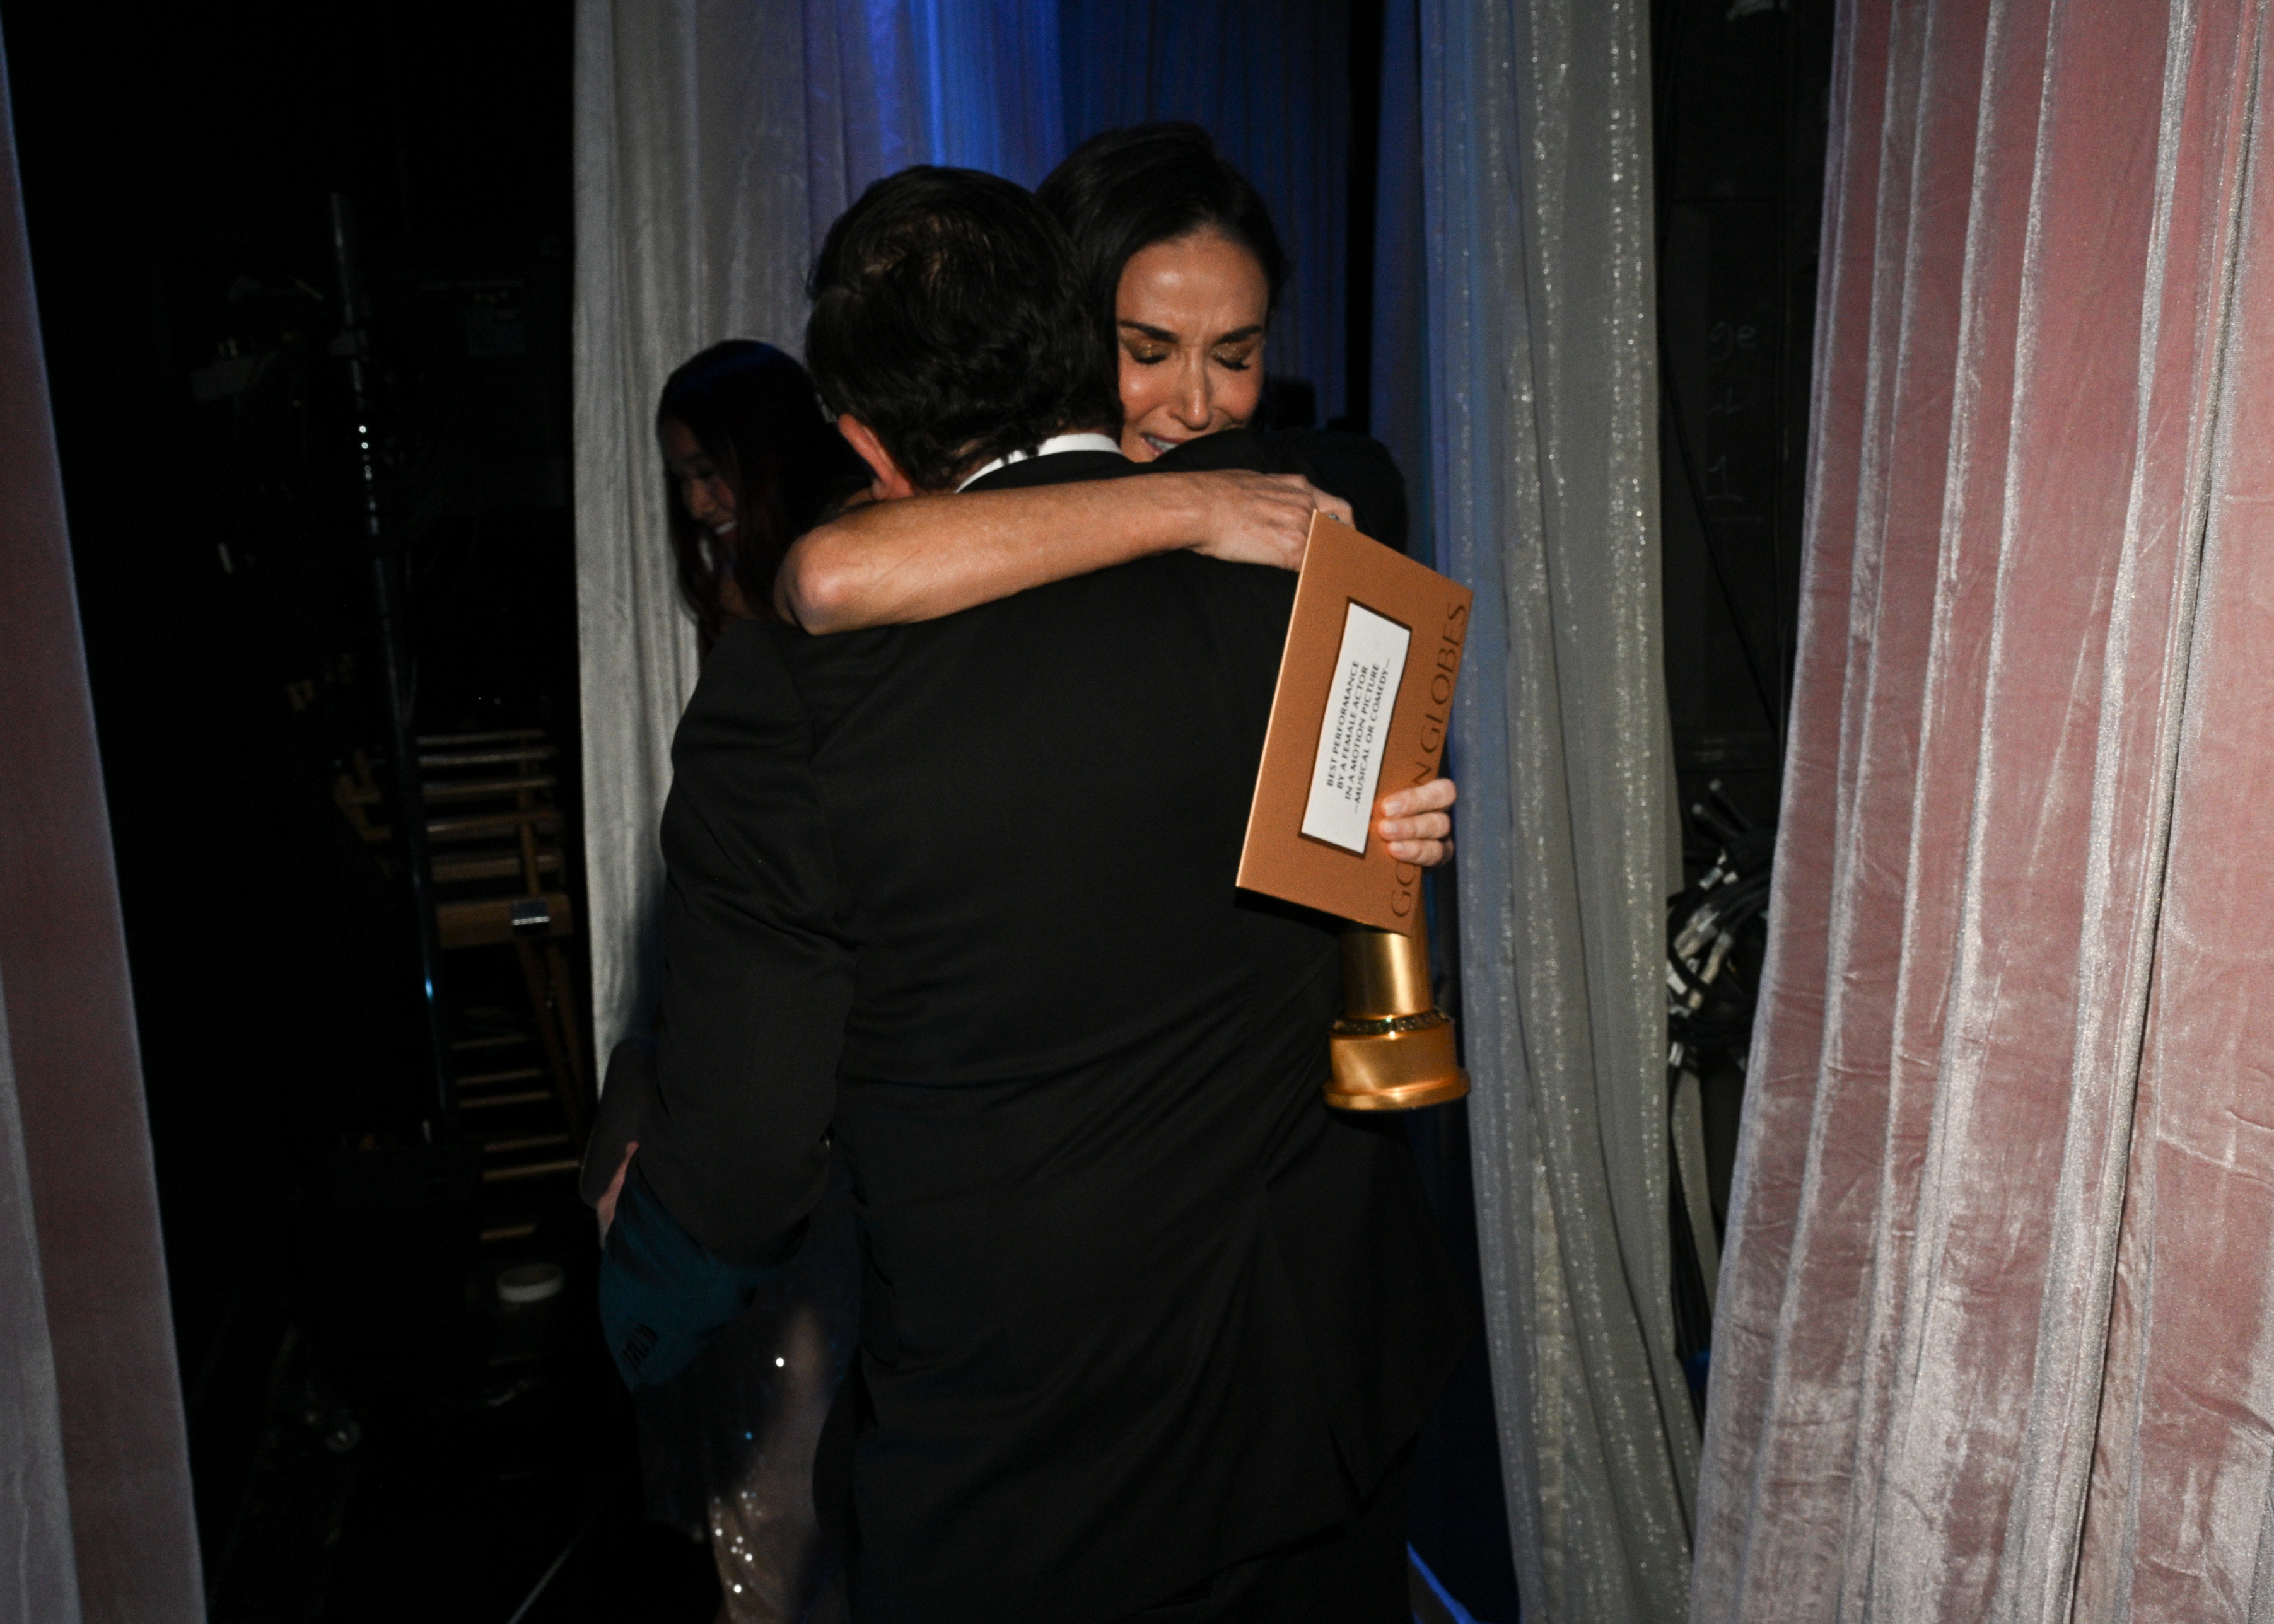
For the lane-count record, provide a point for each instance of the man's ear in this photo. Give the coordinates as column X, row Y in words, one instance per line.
column 890, row 483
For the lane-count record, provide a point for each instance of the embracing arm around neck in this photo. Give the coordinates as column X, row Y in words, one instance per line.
column 891, row 563
column 917, row 557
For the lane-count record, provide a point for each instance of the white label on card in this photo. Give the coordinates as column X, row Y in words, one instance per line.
column 1356, row 730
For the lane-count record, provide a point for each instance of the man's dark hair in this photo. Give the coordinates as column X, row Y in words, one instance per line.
column 1123, row 190
column 948, row 317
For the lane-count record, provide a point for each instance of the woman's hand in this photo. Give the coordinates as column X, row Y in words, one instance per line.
column 1416, row 824
column 1260, row 518
column 608, row 1203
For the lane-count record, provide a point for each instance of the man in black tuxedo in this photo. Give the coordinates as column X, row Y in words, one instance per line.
column 1147, row 1331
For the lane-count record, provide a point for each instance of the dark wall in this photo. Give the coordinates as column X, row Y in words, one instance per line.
column 175, row 169
column 1740, row 93
column 1740, row 98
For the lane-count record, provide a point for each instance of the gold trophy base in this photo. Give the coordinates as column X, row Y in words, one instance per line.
column 1393, row 1049
column 1395, row 1064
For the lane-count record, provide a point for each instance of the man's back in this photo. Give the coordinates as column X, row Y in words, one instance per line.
column 1134, row 1305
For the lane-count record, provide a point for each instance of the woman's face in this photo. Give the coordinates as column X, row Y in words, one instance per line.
column 710, row 498
column 1189, row 315
column 703, row 485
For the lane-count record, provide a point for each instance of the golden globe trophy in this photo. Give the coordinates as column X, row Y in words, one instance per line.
column 1364, row 696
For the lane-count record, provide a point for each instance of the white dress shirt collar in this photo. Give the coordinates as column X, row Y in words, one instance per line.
column 1051, row 446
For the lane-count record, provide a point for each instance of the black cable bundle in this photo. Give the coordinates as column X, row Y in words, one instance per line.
column 1717, row 935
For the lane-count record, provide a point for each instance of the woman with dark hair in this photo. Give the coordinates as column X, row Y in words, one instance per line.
column 1185, row 268
column 752, row 464
column 726, row 1450
column 1123, row 190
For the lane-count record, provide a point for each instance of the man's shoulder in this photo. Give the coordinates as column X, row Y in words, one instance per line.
column 772, row 686
column 1142, row 589
column 819, row 676
column 1189, row 619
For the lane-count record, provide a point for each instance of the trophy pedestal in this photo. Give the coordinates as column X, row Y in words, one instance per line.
column 1393, row 1050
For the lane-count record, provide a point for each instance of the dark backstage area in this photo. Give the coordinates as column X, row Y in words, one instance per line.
column 340, row 706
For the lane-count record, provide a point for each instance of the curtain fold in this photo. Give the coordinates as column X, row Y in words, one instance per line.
column 1996, row 1335
column 1542, row 379
column 714, row 145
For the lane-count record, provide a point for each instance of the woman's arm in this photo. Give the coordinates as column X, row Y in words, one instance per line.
column 894, row 562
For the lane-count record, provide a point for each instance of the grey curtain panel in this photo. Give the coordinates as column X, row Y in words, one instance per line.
column 1542, row 379
column 94, row 1498
column 715, row 143
column 1996, row 1330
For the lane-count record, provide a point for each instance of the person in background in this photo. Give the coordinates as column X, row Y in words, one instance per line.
column 749, row 465
column 726, row 1450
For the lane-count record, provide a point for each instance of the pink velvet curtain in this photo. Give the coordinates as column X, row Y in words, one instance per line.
column 1995, row 1337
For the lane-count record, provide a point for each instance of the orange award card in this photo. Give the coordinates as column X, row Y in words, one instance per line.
column 1364, row 696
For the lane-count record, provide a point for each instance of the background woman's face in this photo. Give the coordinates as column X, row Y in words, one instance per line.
column 1189, row 315
column 703, row 487
column 708, row 496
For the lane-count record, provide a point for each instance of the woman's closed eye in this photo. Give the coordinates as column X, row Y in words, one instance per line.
column 1234, row 358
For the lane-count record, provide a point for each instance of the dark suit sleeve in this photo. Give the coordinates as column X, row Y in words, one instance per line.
column 757, row 970
column 1359, row 471
column 1352, row 466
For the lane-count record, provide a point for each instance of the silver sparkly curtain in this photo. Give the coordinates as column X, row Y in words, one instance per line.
column 1536, row 148
column 715, row 142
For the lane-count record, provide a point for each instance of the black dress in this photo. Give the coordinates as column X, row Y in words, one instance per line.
column 727, row 1447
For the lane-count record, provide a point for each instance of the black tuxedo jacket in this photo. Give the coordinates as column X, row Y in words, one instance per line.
column 1135, row 1304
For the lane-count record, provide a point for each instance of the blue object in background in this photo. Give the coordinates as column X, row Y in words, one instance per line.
column 1447, row 1609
